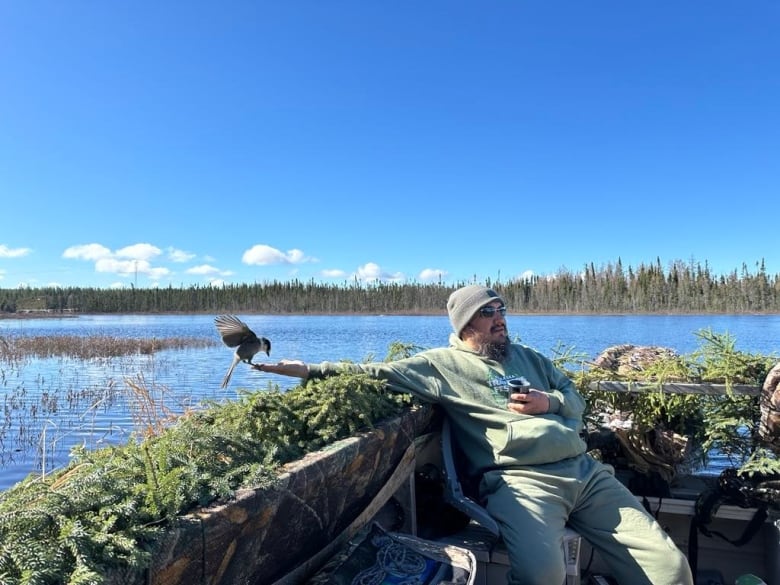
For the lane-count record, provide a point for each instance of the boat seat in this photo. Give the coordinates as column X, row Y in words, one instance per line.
column 456, row 496
column 453, row 488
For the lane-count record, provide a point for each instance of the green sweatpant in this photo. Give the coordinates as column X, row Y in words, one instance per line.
column 533, row 504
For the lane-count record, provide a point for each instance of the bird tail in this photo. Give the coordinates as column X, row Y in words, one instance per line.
column 226, row 379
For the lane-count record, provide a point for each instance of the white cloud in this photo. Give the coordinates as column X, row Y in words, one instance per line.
column 371, row 272
column 116, row 266
column 432, row 275
column 158, row 272
column 264, row 255
column 527, row 275
column 176, row 255
column 296, row 257
column 139, row 252
column 203, row 269
column 333, row 273
column 6, row 252
column 130, row 267
column 87, row 252
column 128, row 261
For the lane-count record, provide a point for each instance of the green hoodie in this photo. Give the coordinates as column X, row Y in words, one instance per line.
column 473, row 391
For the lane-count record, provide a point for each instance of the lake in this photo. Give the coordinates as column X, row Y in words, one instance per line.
column 53, row 404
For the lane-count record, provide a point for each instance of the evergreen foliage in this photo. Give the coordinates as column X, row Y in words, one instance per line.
column 726, row 422
column 107, row 507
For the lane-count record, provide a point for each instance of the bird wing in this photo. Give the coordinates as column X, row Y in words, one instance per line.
column 232, row 330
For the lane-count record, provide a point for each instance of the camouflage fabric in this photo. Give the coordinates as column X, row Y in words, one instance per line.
column 769, row 426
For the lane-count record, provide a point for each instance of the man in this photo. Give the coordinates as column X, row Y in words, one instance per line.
column 536, row 476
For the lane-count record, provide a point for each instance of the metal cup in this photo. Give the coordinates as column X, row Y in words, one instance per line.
column 518, row 386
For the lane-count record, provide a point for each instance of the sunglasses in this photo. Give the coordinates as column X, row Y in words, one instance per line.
column 490, row 310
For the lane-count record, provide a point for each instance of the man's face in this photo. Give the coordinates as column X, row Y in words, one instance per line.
column 487, row 332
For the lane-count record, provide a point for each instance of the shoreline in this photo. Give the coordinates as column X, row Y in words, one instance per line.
column 37, row 315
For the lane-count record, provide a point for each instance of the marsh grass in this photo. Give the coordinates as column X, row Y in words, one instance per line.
column 151, row 415
column 95, row 346
column 43, row 413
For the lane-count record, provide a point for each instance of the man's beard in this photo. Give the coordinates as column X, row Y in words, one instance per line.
column 494, row 351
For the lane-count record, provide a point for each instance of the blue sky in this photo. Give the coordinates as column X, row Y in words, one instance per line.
column 177, row 143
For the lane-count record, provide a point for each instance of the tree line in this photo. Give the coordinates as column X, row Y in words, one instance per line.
column 682, row 287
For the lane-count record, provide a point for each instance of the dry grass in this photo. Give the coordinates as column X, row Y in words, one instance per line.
column 147, row 406
column 94, row 346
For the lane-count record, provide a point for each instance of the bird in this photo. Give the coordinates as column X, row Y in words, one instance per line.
column 236, row 333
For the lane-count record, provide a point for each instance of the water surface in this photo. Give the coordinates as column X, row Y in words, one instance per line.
column 53, row 404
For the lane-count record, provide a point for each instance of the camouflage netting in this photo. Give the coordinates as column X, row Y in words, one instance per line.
column 656, row 450
column 629, row 359
column 769, row 426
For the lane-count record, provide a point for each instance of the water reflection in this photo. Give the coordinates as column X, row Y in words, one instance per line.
column 53, row 404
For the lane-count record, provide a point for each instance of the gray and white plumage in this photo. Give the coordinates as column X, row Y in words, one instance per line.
column 236, row 333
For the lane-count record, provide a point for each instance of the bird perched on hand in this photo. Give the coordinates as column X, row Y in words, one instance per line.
column 235, row 333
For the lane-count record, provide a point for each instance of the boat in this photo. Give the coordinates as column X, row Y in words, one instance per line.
column 400, row 479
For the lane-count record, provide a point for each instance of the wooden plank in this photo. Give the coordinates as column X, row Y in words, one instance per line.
column 676, row 388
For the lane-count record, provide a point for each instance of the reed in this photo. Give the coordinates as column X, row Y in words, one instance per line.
column 38, row 413
column 95, row 346
column 147, row 405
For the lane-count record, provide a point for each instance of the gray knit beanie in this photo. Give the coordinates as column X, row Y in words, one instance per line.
column 466, row 301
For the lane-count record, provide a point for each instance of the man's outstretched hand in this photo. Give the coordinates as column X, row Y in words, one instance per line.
column 292, row 368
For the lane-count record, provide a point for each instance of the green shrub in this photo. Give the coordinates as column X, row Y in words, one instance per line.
column 107, row 507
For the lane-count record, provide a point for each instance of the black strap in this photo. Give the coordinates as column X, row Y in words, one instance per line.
column 693, row 544
column 646, row 504
column 706, row 505
column 750, row 530
column 702, row 513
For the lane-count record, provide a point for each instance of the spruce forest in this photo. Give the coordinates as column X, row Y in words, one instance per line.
column 682, row 287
